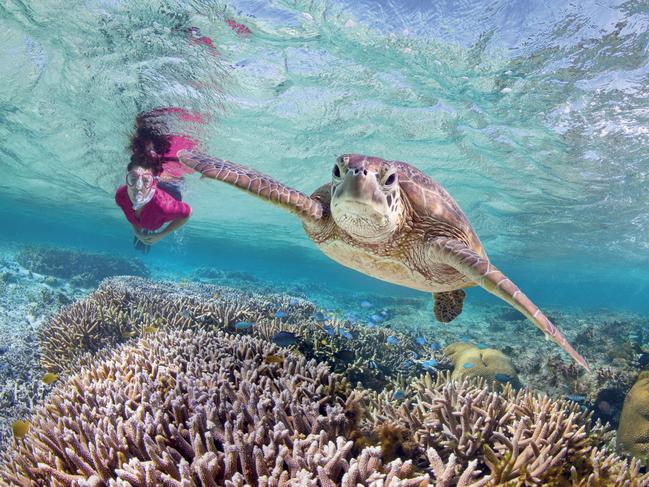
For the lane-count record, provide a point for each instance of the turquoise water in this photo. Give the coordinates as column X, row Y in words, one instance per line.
column 533, row 117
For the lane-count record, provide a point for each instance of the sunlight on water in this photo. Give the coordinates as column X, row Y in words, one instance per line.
column 534, row 118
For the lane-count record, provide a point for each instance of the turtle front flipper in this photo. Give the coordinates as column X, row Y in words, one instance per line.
column 448, row 305
column 477, row 268
column 254, row 182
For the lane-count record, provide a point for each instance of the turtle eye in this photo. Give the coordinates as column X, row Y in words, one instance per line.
column 389, row 181
column 336, row 171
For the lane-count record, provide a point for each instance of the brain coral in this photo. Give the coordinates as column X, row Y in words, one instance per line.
column 490, row 364
column 633, row 431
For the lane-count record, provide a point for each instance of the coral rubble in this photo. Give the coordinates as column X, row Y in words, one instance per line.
column 82, row 268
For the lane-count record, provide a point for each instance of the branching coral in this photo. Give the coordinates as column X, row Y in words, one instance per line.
column 516, row 437
column 199, row 408
column 123, row 308
column 126, row 307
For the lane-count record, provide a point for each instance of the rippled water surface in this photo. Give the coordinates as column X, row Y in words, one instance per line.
column 533, row 116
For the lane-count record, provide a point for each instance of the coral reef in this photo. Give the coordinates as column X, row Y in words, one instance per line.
column 633, row 431
column 510, row 437
column 470, row 361
column 199, row 408
column 26, row 299
column 127, row 307
column 196, row 407
column 83, row 269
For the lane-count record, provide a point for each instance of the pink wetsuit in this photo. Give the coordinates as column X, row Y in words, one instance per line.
column 161, row 209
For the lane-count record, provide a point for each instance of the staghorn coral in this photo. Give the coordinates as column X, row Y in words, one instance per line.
column 199, row 408
column 84, row 268
column 124, row 307
column 516, row 438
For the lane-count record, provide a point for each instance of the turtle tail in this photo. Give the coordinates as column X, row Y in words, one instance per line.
column 481, row 271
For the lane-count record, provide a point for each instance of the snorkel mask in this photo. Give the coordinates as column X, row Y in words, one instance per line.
column 143, row 185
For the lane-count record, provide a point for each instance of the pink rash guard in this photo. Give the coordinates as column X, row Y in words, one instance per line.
column 161, row 209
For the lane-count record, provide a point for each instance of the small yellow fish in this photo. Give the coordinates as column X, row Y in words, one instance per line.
column 128, row 334
column 149, row 329
column 273, row 359
column 216, row 296
column 20, row 428
column 49, row 377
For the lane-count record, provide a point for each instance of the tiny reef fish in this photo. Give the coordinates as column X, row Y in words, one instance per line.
column 285, row 338
column 20, row 428
column 49, row 377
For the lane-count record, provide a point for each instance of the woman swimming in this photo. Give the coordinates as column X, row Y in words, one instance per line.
column 151, row 196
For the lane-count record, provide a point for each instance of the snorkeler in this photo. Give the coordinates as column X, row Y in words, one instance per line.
column 152, row 194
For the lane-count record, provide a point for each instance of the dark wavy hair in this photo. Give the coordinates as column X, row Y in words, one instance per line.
column 150, row 142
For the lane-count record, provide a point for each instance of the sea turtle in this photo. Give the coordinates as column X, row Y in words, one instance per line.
column 391, row 221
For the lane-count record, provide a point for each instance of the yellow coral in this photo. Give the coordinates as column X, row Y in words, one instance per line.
column 633, row 431
column 470, row 361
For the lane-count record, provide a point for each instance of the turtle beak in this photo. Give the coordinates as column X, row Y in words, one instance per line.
column 359, row 185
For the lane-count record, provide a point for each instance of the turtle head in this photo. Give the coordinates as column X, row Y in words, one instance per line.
column 365, row 197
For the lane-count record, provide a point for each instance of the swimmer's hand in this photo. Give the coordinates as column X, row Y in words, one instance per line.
column 149, row 238
column 152, row 239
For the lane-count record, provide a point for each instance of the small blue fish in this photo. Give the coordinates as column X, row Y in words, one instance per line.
column 280, row 314
column 377, row 318
column 293, row 301
column 482, row 346
column 243, row 325
column 371, row 324
column 366, row 304
column 384, row 313
column 575, row 397
column 464, row 338
column 285, row 338
column 352, row 316
column 500, row 377
column 435, row 346
column 414, row 355
column 345, row 334
column 320, row 317
column 329, row 329
column 429, row 364
column 392, row 340
column 398, row 394
column 468, row 365
column 420, row 341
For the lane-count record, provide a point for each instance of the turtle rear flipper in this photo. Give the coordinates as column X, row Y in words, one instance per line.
column 448, row 305
column 254, row 182
column 465, row 260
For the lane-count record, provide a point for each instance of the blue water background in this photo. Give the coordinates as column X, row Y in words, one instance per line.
column 533, row 117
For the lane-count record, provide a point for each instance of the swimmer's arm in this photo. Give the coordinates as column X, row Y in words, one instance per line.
column 171, row 227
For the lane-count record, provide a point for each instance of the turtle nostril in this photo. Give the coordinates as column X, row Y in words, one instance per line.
column 364, row 172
